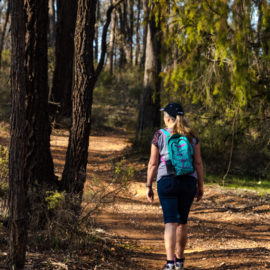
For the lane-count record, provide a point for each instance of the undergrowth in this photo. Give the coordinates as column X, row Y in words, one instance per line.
column 3, row 182
column 261, row 186
column 79, row 241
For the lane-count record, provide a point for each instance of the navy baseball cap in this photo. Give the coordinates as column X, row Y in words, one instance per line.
column 173, row 109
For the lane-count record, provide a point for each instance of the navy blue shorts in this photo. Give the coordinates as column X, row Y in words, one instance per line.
column 176, row 195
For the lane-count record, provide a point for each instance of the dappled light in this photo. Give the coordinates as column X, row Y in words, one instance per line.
column 228, row 230
column 134, row 134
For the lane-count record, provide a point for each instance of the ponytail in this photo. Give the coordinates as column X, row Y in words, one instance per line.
column 181, row 127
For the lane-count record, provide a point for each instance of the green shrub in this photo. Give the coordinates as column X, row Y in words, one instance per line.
column 116, row 99
column 251, row 145
column 123, row 172
column 54, row 199
column 5, row 86
column 3, row 171
column 3, row 182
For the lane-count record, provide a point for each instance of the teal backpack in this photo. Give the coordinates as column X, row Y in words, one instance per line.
column 180, row 153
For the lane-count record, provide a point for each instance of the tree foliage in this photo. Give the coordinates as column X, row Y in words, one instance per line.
column 216, row 62
column 222, row 53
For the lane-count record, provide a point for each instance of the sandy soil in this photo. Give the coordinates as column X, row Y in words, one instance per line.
column 229, row 229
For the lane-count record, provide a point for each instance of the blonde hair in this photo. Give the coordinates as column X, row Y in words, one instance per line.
column 180, row 126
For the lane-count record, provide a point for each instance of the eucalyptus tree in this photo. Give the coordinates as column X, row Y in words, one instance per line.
column 125, row 35
column 85, row 77
column 138, row 36
column 18, row 136
column 112, row 42
column 52, row 23
column 30, row 161
column 64, row 53
column 6, row 12
column 149, row 110
column 145, row 19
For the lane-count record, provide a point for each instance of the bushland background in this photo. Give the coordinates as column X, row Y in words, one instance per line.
column 105, row 68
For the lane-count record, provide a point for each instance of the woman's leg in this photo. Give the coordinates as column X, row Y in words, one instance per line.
column 187, row 191
column 181, row 240
column 170, row 239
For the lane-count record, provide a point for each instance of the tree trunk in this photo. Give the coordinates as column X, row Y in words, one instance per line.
column 64, row 51
column 74, row 174
column 126, row 17
column 138, row 23
column 122, row 35
column 97, row 32
column 130, row 31
column 1, row 10
column 265, row 35
column 36, row 62
column 30, row 160
column 18, row 168
column 52, row 26
column 3, row 32
column 112, row 42
column 149, row 113
column 146, row 15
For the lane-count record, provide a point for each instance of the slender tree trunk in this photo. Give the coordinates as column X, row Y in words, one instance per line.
column 3, row 32
column 64, row 51
column 97, row 32
column 112, row 42
column 126, row 15
column 137, row 52
column 149, row 113
column 18, row 174
column 130, row 31
column 146, row 15
column 52, row 25
column 74, row 174
column 265, row 35
column 122, row 35
column 1, row 10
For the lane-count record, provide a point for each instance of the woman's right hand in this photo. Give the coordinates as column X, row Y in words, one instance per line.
column 151, row 172
column 150, row 194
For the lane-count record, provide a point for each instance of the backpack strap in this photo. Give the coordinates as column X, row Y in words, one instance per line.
column 163, row 160
column 166, row 134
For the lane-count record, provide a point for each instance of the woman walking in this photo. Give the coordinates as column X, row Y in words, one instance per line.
column 176, row 192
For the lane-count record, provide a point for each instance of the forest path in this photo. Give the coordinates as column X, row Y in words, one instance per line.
column 228, row 229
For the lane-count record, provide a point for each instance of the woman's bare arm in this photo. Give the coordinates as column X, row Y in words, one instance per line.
column 199, row 168
column 151, row 171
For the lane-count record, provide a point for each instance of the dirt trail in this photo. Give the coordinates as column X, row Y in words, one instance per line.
column 228, row 229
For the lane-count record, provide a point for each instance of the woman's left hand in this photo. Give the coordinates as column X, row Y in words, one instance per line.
column 199, row 193
column 150, row 194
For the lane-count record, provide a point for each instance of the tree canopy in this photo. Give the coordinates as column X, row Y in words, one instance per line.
column 221, row 53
